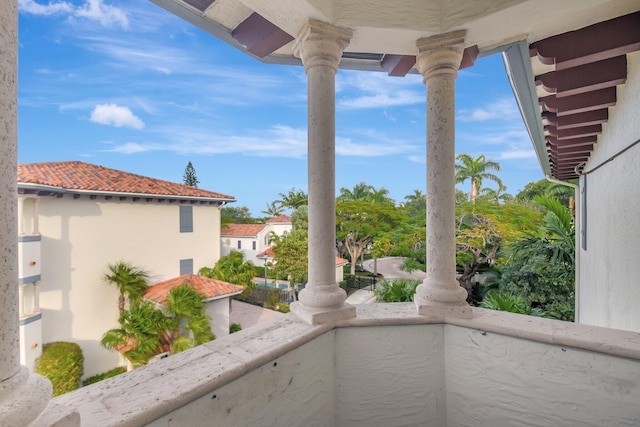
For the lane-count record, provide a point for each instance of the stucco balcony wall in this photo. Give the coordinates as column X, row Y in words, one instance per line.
column 387, row 367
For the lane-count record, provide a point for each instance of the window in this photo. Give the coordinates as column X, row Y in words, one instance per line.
column 186, row 266
column 254, row 245
column 186, row 219
column 239, row 244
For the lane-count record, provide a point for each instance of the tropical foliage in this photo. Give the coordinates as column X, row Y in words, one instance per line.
column 232, row 268
column 130, row 281
column 191, row 325
column 506, row 301
column 291, row 255
column 476, row 170
column 396, row 290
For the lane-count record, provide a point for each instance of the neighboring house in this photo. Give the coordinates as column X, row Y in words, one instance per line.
column 268, row 257
column 251, row 239
column 582, row 115
column 217, row 295
column 74, row 219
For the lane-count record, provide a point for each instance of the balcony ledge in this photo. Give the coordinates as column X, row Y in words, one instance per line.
column 149, row 393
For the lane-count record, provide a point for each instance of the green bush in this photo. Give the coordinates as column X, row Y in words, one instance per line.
column 396, row 290
column 103, row 376
column 282, row 307
column 63, row 364
column 234, row 327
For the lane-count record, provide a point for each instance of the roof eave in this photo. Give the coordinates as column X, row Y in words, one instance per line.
column 51, row 188
column 517, row 64
column 224, row 296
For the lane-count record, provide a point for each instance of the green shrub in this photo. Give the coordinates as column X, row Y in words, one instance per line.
column 282, row 307
column 63, row 364
column 234, row 327
column 396, row 290
column 103, row 376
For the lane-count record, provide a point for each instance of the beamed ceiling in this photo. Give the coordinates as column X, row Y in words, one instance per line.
column 577, row 48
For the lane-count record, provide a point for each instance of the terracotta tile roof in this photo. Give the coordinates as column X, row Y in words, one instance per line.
column 210, row 288
column 242, row 230
column 278, row 219
column 87, row 177
column 269, row 253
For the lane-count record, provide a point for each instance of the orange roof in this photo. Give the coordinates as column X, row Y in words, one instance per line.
column 281, row 218
column 270, row 254
column 242, row 230
column 209, row 288
column 87, row 177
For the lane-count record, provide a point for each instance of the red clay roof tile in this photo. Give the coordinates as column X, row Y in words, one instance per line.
column 209, row 288
column 82, row 176
column 280, row 218
column 241, row 230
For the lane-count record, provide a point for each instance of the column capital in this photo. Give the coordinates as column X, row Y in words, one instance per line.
column 320, row 43
column 440, row 54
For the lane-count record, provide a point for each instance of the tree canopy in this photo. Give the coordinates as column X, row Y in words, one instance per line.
column 190, row 178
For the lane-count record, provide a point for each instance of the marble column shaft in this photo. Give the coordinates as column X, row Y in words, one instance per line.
column 438, row 61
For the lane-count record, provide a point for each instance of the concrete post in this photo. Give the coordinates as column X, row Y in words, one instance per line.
column 22, row 395
column 438, row 61
column 320, row 47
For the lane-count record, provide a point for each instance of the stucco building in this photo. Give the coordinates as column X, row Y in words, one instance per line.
column 252, row 239
column 76, row 218
column 436, row 361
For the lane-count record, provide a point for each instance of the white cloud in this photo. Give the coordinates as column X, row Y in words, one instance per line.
column 502, row 109
column 52, row 8
column 93, row 10
column 362, row 90
column 518, row 153
column 116, row 115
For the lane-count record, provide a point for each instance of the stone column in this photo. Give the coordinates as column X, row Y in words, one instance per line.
column 22, row 395
column 438, row 61
column 320, row 47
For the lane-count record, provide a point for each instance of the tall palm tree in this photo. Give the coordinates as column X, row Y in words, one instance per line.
column 475, row 170
column 273, row 209
column 130, row 281
column 366, row 192
column 498, row 195
column 293, row 199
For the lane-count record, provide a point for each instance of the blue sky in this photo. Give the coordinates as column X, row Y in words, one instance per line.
column 127, row 85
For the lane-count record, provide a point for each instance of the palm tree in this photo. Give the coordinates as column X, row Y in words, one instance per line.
column 232, row 268
column 140, row 336
column 273, row 209
column 499, row 195
column 366, row 192
column 191, row 326
column 293, row 199
column 130, row 281
column 475, row 170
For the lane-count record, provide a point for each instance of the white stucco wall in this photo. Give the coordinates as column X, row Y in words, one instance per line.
column 296, row 389
column 30, row 341
column 218, row 310
column 230, row 243
column 497, row 380
column 380, row 385
column 609, row 269
column 80, row 237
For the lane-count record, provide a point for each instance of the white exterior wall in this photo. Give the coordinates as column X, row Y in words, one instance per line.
column 30, row 341
column 230, row 243
column 498, row 380
column 609, row 269
column 218, row 310
column 80, row 237
column 296, row 389
column 381, row 385
column 29, row 259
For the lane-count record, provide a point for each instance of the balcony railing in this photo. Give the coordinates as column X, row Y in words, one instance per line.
column 386, row 367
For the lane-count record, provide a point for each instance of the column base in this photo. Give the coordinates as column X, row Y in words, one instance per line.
column 443, row 310
column 319, row 315
column 23, row 397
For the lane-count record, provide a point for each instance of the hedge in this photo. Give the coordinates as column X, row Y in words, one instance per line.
column 63, row 363
column 103, row 376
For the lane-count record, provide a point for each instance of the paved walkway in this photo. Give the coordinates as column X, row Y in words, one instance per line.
column 247, row 315
column 390, row 268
